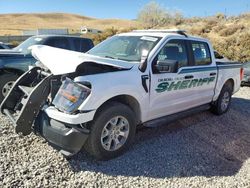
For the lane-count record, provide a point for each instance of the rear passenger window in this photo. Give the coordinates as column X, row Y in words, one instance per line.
column 85, row 45
column 174, row 50
column 59, row 43
column 77, row 45
column 202, row 54
column 82, row 45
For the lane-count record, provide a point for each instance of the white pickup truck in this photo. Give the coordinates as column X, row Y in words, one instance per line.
column 96, row 100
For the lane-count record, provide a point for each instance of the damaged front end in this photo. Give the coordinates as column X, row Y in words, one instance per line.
column 33, row 92
column 47, row 101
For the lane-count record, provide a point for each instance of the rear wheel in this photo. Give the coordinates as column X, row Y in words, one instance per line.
column 222, row 104
column 112, row 131
column 6, row 83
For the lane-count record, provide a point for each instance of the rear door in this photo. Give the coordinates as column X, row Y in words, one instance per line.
column 204, row 72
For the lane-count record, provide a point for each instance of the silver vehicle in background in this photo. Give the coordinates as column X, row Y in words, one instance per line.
column 246, row 78
column 3, row 46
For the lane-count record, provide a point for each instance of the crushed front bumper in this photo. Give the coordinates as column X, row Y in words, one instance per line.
column 67, row 138
column 24, row 106
column 26, row 98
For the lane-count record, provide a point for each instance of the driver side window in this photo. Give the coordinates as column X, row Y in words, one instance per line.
column 174, row 50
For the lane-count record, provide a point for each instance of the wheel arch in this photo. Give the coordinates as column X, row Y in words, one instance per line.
column 11, row 70
column 219, row 86
column 128, row 100
column 216, row 105
column 230, row 81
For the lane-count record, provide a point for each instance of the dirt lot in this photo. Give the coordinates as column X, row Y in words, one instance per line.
column 199, row 151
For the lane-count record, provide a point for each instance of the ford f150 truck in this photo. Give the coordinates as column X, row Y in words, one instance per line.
column 15, row 62
column 97, row 100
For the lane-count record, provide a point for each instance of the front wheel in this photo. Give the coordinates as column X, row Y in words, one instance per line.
column 222, row 104
column 112, row 131
column 6, row 83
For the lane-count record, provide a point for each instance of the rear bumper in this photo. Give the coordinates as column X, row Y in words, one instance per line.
column 68, row 139
column 245, row 81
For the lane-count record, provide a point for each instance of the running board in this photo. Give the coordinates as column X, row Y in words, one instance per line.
column 176, row 116
column 26, row 98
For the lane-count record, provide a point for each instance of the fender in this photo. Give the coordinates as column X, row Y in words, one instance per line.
column 115, row 84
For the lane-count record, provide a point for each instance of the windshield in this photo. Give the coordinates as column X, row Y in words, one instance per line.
column 23, row 47
column 127, row 48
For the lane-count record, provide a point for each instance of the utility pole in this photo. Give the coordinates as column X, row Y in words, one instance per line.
column 225, row 13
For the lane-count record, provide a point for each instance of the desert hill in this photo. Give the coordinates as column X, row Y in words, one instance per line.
column 13, row 24
column 230, row 35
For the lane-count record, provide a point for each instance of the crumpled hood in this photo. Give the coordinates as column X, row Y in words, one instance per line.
column 60, row 61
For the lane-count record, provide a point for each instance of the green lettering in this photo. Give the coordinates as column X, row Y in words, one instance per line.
column 200, row 83
column 193, row 83
column 184, row 84
column 162, row 87
column 174, row 86
column 211, row 79
column 205, row 80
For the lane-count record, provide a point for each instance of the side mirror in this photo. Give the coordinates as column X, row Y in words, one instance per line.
column 167, row 66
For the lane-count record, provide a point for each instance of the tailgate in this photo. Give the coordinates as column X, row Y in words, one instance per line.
column 26, row 98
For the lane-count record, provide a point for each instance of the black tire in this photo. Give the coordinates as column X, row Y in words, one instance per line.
column 94, row 144
column 218, row 107
column 5, row 79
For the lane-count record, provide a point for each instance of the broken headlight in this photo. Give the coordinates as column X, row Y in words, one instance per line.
column 70, row 96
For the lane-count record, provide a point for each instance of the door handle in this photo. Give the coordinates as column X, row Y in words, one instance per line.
column 144, row 79
column 188, row 77
column 212, row 73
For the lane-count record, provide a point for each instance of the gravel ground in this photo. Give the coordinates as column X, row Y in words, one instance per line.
column 203, row 150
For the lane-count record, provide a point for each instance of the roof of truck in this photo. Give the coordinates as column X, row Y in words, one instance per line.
column 162, row 33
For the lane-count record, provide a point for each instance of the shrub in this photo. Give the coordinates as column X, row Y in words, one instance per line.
column 153, row 15
column 104, row 35
column 235, row 47
column 108, row 33
column 230, row 30
column 210, row 24
column 219, row 27
column 198, row 30
column 220, row 16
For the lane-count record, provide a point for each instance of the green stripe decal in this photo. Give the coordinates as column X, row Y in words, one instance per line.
column 198, row 69
column 203, row 69
column 229, row 66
